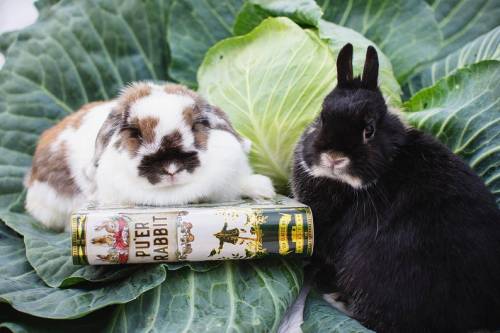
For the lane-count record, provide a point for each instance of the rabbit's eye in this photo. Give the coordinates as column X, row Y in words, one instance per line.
column 201, row 122
column 134, row 132
column 368, row 132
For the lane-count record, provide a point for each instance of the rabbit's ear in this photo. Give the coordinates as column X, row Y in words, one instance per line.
column 370, row 71
column 344, row 65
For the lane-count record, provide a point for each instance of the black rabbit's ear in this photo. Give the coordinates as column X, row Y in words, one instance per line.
column 370, row 71
column 344, row 65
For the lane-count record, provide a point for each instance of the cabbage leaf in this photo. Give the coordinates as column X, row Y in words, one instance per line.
column 485, row 47
column 319, row 316
column 463, row 111
column 272, row 81
column 21, row 287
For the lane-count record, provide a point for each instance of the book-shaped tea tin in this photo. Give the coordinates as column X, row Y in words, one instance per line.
column 244, row 229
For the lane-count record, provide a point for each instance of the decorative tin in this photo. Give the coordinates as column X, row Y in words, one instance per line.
column 198, row 232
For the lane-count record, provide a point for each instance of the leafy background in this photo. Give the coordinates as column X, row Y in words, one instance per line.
column 268, row 64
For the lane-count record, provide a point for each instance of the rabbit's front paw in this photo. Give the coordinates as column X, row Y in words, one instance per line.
column 338, row 301
column 258, row 187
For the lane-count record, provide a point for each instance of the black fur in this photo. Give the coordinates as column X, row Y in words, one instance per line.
column 417, row 248
column 153, row 166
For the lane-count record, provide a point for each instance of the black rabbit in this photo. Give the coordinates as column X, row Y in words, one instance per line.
column 407, row 236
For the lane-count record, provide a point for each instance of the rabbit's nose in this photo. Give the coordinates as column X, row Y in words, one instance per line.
column 334, row 160
column 340, row 162
column 171, row 170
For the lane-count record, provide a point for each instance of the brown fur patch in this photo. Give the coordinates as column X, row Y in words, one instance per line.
column 201, row 106
column 147, row 127
column 200, row 132
column 172, row 141
column 129, row 138
column 132, row 93
column 188, row 115
column 73, row 120
column 130, row 142
column 201, row 139
column 201, row 109
column 51, row 166
column 178, row 89
column 136, row 131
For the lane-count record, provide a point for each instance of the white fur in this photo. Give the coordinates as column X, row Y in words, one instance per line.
column 171, row 107
column 224, row 175
column 80, row 144
column 257, row 186
column 42, row 200
column 332, row 299
column 340, row 172
column 50, row 207
column 224, row 172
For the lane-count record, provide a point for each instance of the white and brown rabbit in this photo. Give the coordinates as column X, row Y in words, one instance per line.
column 407, row 237
column 154, row 144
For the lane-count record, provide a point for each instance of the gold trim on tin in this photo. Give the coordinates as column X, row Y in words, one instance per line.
column 298, row 233
column 310, row 231
column 284, row 221
column 74, row 246
column 78, row 241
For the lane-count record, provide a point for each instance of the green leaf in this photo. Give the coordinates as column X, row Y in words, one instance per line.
column 236, row 297
column 272, row 82
column 201, row 266
column 406, row 30
column 193, row 27
column 463, row 111
column 22, row 288
column 319, row 316
column 485, row 47
column 7, row 39
column 461, row 21
column 50, row 255
column 303, row 12
column 43, row 5
column 18, row 322
column 249, row 17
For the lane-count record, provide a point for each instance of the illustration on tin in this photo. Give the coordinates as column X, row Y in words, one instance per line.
column 235, row 236
column 116, row 239
column 186, row 239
